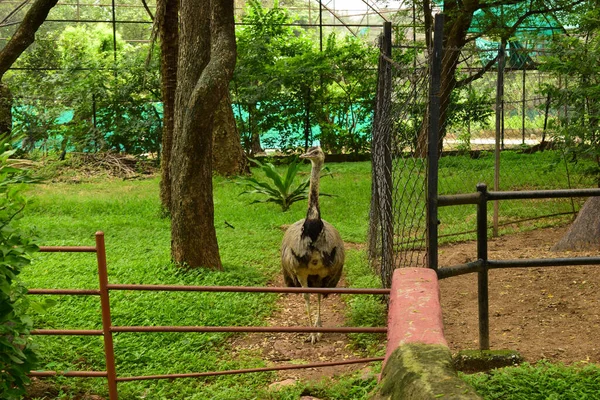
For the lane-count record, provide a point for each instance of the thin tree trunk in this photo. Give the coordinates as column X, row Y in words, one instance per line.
column 168, row 25
column 255, row 147
column 457, row 22
column 206, row 62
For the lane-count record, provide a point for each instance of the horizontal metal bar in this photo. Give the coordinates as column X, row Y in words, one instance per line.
column 473, row 198
column 542, row 194
column 317, row 25
column 262, row 329
column 79, row 374
column 253, row 289
column 67, row 332
column 237, row 23
column 250, row 370
column 459, row 199
column 67, row 249
column 461, row 269
column 80, row 292
column 544, row 262
column 102, row 21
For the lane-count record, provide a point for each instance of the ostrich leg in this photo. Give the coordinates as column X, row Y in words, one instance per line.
column 307, row 301
column 317, row 336
column 313, row 336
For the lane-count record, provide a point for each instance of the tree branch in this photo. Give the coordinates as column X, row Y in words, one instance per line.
column 487, row 6
column 25, row 34
column 148, row 9
column 510, row 31
column 479, row 74
column 13, row 12
column 474, row 37
column 533, row 12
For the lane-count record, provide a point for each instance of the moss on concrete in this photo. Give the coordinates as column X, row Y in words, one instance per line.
column 485, row 360
column 421, row 372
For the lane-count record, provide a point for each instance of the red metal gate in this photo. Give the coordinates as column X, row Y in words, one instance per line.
column 108, row 329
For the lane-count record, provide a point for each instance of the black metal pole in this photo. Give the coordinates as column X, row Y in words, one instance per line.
column 524, row 104
column 386, row 189
column 433, row 142
column 321, row 26
column 499, row 131
column 482, row 275
column 114, row 31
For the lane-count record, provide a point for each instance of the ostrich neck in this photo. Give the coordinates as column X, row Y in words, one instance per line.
column 313, row 193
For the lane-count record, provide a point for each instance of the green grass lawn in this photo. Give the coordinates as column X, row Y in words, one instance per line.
column 137, row 244
column 541, row 381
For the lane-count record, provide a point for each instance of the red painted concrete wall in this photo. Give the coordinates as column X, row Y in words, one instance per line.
column 415, row 313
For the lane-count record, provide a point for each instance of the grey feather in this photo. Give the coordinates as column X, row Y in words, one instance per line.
column 296, row 247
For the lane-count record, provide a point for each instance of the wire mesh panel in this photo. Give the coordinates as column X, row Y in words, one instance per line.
column 398, row 213
column 499, row 124
column 498, row 131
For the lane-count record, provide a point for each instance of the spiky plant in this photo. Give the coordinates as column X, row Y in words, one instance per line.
column 280, row 189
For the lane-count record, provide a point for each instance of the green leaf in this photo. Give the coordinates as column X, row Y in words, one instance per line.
column 272, row 173
column 15, row 359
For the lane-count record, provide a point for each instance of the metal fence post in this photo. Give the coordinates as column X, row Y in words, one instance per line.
column 382, row 158
column 433, row 140
column 482, row 276
column 499, row 131
column 109, row 349
column 524, row 104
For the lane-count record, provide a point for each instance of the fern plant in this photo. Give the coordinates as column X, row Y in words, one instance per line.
column 280, row 190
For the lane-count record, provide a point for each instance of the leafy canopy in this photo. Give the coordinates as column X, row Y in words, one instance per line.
column 103, row 100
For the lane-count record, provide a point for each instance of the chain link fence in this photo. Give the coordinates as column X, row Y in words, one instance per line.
column 496, row 127
column 398, row 214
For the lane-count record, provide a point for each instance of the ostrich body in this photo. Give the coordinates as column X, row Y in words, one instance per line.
column 312, row 251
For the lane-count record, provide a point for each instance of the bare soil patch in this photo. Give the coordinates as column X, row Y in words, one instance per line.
column 549, row 313
column 292, row 348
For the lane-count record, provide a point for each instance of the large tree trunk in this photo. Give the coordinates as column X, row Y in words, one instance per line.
column 6, row 102
column 168, row 25
column 206, row 62
column 228, row 155
column 584, row 233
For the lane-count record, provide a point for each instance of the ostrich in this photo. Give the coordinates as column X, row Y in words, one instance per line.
column 312, row 251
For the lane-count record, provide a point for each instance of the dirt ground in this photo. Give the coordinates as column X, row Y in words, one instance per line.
column 293, row 348
column 550, row 313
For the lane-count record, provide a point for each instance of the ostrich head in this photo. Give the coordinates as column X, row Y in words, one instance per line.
column 314, row 154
